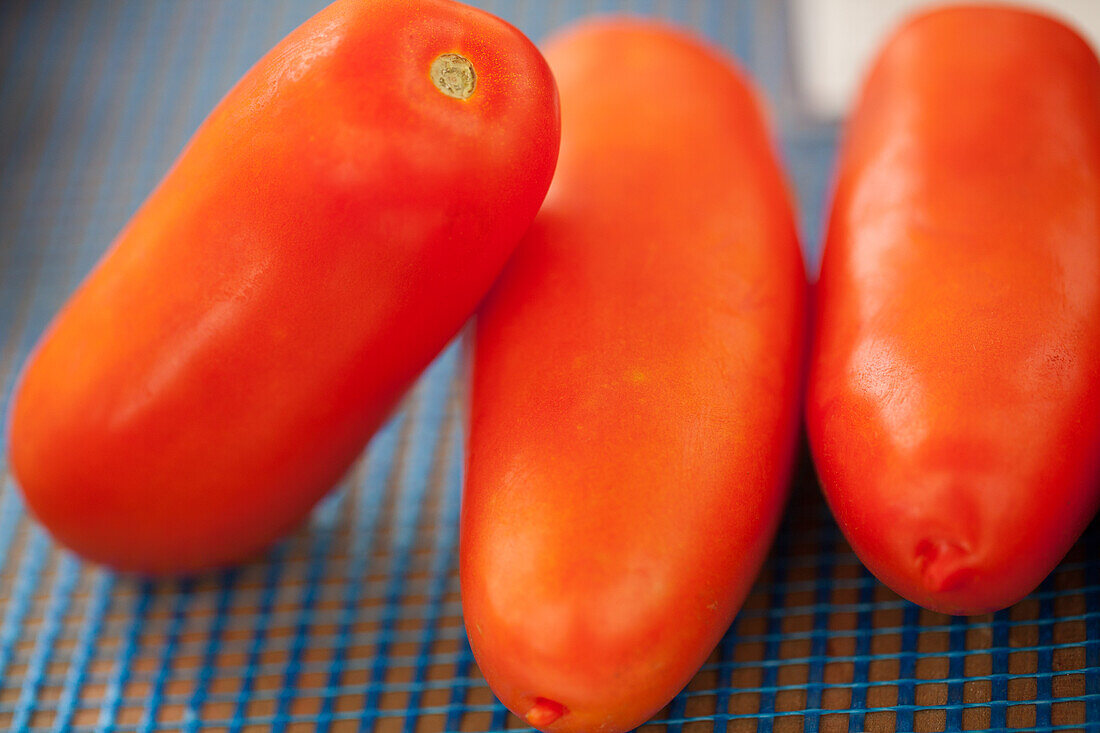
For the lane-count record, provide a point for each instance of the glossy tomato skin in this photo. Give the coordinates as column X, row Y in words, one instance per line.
column 327, row 230
column 635, row 388
column 954, row 396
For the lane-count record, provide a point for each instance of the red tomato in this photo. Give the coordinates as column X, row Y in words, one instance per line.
column 635, row 388
column 954, row 397
column 327, row 230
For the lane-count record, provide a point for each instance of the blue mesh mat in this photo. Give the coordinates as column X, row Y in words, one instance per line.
column 354, row 623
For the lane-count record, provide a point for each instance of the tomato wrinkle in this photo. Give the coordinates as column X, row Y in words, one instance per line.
column 945, row 565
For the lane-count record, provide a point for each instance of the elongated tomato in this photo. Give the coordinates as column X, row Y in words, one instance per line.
column 325, row 232
column 954, row 397
column 635, row 388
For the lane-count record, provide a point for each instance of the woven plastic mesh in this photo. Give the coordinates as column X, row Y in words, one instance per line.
column 354, row 622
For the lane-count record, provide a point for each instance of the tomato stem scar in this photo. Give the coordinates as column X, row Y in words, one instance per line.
column 454, row 75
column 544, row 712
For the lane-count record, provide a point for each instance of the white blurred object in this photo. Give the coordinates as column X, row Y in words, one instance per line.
column 834, row 40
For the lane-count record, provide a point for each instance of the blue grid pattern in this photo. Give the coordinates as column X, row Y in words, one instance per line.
column 354, row 623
